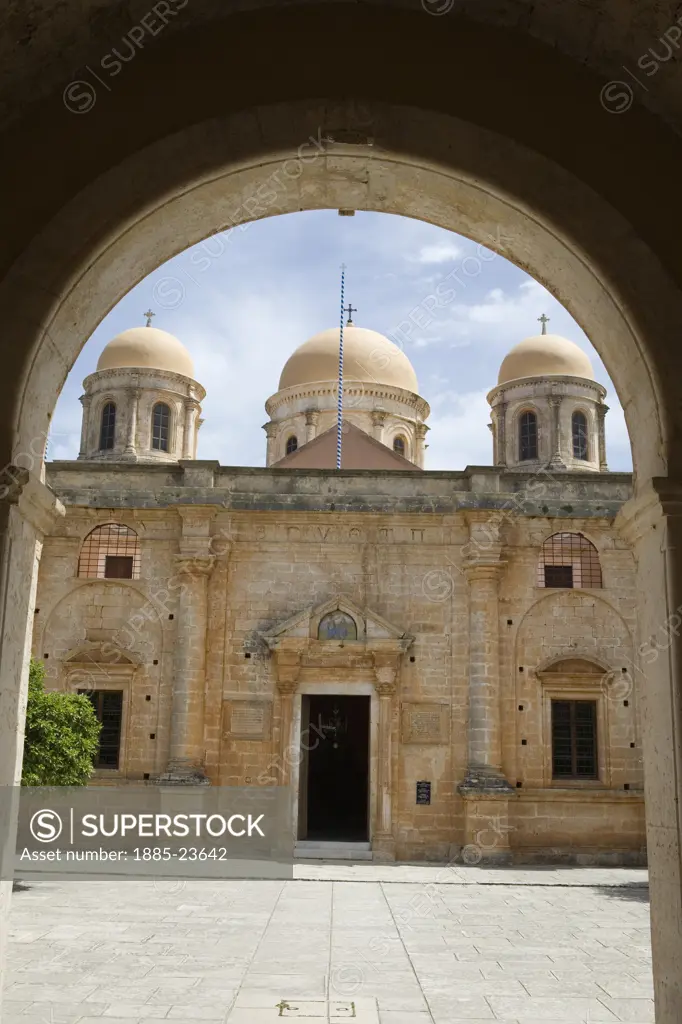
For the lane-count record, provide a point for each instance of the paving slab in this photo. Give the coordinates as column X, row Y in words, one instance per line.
column 378, row 944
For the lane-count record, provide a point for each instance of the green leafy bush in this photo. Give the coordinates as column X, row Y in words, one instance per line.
column 61, row 735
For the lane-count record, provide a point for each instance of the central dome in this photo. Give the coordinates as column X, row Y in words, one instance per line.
column 367, row 356
column 147, row 347
column 545, row 355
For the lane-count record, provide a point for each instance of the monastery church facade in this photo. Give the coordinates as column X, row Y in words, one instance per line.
column 437, row 664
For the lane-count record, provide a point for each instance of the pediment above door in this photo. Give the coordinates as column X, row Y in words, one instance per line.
column 336, row 632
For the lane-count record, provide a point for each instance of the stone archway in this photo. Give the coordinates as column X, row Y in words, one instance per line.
column 536, row 174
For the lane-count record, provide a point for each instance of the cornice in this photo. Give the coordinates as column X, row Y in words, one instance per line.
column 125, row 373
column 523, row 382
column 351, row 388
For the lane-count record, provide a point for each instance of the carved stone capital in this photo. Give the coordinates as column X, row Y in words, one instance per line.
column 311, row 417
column 662, row 498
column 288, row 669
column 37, row 503
column 194, row 565
column 385, row 673
column 485, row 571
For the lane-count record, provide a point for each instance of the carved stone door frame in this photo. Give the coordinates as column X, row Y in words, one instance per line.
column 349, row 689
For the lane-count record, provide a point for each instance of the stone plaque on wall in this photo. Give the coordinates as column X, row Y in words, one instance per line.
column 425, row 723
column 248, row 719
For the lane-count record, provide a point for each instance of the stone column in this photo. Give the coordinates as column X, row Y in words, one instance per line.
column 287, row 684
column 485, row 789
column 188, row 445
column 311, row 418
column 186, row 756
column 131, row 440
column 484, row 746
column 421, row 430
column 500, row 434
column 601, row 436
column 378, row 420
column 383, row 840
column 86, row 401
column 652, row 522
column 270, row 433
column 28, row 510
column 556, row 461
column 287, row 660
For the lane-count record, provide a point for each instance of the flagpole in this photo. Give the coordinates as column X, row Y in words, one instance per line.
column 339, row 416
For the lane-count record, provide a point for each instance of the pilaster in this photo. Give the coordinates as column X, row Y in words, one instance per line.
column 311, row 418
column 652, row 523
column 385, row 684
column 270, row 429
column 483, row 568
column 193, row 565
column 130, row 449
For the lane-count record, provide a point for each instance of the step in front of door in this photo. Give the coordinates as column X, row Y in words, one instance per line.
column 312, row 849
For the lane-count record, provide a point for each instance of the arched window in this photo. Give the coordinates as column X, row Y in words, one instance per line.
column 399, row 445
column 160, row 427
column 579, row 425
column 337, row 625
column 569, row 560
column 112, row 552
column 292, row 444
column 528, row 436
column 107, row 428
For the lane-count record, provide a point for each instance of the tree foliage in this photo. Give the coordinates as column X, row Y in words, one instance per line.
column 61, row 736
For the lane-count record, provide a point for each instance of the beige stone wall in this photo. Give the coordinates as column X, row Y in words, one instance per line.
column 405, row 569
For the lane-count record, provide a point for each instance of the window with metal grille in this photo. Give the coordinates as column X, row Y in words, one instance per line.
column 569, row 560
column 160, row 427
column 111, row 551
column 107, row 430
column 292, row 444
column 108, row 705
column 399, row 445
column 574, row 739
column 579, row 424
column 528, row 436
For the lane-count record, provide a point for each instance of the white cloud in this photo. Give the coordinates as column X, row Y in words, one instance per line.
column 440, row 252
column 459, row 434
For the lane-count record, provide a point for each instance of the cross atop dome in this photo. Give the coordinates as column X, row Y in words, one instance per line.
column 149, row 314
column 544, row 320
column 350, row 310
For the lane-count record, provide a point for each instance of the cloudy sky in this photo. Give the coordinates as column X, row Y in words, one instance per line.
column 242, row 303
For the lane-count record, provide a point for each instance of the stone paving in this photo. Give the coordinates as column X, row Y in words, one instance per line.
column 396, row 944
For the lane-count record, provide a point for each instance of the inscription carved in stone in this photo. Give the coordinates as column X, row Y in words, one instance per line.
column 248, row 719
column 425, row 723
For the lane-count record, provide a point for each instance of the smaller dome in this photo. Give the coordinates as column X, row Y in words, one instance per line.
column 545, row 355
column 147, row 347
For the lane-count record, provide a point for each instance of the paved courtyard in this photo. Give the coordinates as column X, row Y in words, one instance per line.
column 380, row 945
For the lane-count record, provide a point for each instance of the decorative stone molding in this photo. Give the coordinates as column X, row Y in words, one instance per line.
column 36, row 502
column 194, row 565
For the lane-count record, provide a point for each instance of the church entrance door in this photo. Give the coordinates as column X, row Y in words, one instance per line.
column 335, row 784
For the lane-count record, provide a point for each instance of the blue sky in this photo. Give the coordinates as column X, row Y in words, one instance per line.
column 242, row 303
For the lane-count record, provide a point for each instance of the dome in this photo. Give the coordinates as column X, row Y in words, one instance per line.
column 545, row 355
column 367, row 356
column 147, row 347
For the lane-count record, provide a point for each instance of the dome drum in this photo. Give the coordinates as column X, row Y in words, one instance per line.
column 142, row 403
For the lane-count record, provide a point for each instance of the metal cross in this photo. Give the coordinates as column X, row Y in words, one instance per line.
column 544, row 320
column 350, row 310
column 149, row 314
